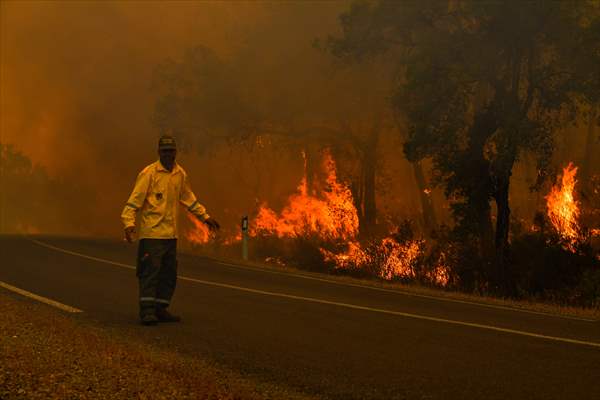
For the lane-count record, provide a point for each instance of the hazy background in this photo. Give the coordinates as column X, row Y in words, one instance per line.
column 78, row 91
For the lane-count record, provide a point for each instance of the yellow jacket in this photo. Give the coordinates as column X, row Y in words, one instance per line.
column 156, row 194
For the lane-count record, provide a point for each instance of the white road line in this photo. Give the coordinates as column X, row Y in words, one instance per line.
column 39, row 298
column 397, row 292
column 82, row 255
column 404, row 293
column 345, row 305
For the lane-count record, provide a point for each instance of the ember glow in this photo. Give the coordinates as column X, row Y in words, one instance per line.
column 395, row 260
column 330, row 214
column 399, row 259
column 354, row 257
column 563, row 208
column 441, row 273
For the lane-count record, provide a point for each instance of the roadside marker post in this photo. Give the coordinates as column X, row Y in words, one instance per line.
column 245, row 238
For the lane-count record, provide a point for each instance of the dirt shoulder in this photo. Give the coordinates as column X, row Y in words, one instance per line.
column 46, row 353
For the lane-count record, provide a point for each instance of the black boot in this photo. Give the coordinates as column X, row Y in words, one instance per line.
column 148, row 316
column 165, row 316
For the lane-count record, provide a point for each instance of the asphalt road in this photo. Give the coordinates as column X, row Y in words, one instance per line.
column 335, row 340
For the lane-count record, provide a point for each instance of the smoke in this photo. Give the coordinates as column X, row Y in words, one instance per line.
column 76, row 75
column 76, row 89
column 78, row 93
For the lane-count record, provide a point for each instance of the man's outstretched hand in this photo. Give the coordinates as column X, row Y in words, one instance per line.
column 129, row 232
column 212, row 224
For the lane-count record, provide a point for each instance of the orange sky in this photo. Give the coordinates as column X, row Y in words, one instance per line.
column 76, row 75
column 76, row 95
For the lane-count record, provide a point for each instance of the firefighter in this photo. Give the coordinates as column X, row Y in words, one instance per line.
column 158, row 190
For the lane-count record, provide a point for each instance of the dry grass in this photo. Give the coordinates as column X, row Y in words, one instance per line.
column 47, row 354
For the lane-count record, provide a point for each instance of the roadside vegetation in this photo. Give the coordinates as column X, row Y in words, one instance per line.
column 471, row 104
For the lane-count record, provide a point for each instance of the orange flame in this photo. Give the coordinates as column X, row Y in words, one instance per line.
column 354, row 257
column 399, row 259
column 330, row 215
column 395, row 260
column 440, row 275
column 200, row 234
column 563, row 208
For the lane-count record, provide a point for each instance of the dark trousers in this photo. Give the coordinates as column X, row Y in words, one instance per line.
column 157, row 273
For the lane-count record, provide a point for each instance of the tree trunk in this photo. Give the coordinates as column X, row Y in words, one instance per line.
column 312, row 160
column 477, row 183
column 370, row 170
column 481, row 211
column 429, row 219
column 502, row 230
column 588, row 159
column 357, row 197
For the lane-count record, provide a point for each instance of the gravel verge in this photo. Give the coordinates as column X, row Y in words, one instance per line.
column 48, row 354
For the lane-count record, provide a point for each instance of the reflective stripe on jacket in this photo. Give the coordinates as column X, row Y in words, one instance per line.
column 155, row 197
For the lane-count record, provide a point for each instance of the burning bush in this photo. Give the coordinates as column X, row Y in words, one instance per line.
column 386, row 259
column 563, row 208
column 399, row 256
column 329, row 214
column 556, row 260
column 317, row 230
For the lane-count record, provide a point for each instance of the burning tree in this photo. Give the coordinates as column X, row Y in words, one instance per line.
column 479, row 84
